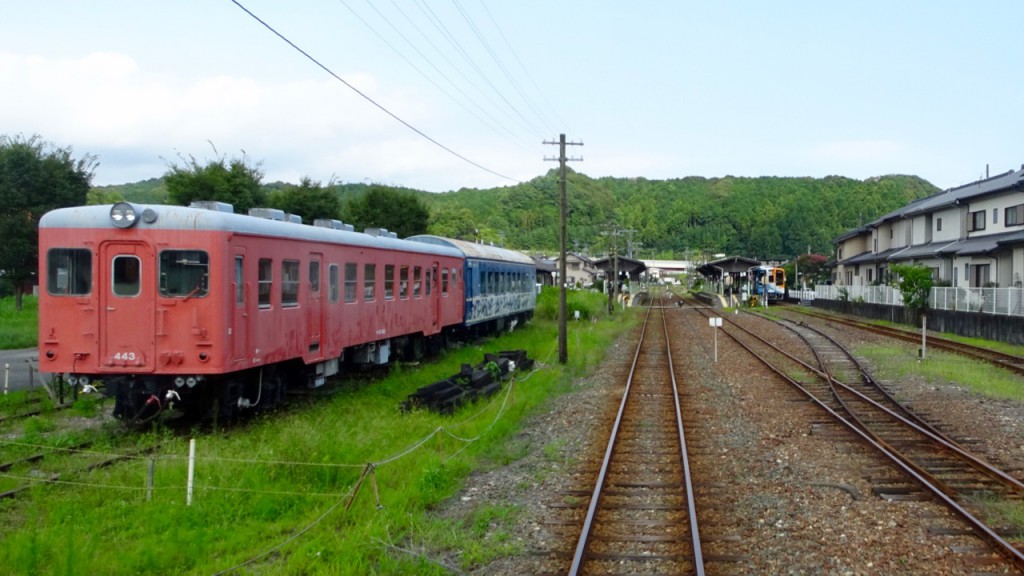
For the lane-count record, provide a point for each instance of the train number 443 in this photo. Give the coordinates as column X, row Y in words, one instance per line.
column 125, row 356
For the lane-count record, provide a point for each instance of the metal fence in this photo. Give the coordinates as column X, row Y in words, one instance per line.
column 1004, row 301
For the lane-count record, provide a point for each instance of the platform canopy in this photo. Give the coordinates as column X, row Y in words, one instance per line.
column 632, row 268
column 731, row 266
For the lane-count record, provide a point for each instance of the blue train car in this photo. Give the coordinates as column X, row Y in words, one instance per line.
column 768, row 279
column 500, row 284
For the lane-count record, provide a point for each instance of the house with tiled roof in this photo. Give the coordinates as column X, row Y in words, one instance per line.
column 971, row 236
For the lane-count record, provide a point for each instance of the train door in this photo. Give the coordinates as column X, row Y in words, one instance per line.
column 435, row 295
column 314, row 309
column 240, row 315
column 126, row 302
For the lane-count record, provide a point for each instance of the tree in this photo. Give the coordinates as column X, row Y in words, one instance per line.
column 453, row 223
column 915, row 284
column 234, row 182
column 35, row 177
column 309, row 199
column 383, row 207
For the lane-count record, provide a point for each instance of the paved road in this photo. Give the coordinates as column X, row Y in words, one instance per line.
column 15, row 368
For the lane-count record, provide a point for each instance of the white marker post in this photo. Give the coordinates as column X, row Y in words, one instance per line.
column 715, row 322
column 924, row 335
column 191, row 470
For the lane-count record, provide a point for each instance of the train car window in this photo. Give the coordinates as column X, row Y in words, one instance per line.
column 351, row 268
column 430, row 276
column 444, row 282
column 417, row 274
column 240, row 280
column 314, row 276
column 403, row 282
column 68, row 272
column 266, row 280
column 126, row 274
column 369, row 282
column 290, row 283
column 332, row 281
column 184, row 273
column 389, row 281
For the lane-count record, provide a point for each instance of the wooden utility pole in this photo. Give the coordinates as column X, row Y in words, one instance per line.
column 563, row 346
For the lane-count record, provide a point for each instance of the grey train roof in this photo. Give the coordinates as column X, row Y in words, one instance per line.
column 186, row 218
column 474, row 250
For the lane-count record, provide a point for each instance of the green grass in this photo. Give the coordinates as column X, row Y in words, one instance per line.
column 298, row 472
column 19, row 329
column 896, row 362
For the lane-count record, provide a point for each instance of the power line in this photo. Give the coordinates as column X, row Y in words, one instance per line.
column 367, row 98
column 507, row 134
column 526, row 71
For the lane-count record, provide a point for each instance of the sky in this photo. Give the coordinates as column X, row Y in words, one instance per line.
column 440, row 95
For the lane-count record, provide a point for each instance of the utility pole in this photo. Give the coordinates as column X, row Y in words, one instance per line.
column 612, row 280
column 563, row 346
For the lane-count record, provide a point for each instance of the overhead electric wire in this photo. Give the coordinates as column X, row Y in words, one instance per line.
column 443, row 29
column 494, row 56
column 445, row 57
column 508, row 134
column 526, row 71
column 367, row 98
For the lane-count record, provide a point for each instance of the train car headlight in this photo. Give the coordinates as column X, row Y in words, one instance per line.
column 123, row 215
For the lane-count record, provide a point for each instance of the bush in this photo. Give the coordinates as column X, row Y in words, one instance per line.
column 590, row 304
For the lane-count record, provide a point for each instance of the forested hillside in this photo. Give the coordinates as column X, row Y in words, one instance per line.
column 765, row 217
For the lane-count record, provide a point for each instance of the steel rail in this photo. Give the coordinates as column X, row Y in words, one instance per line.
column 581, row 545
column 1001, row 359
column 1007, row 549
column 698, row 557
column 580, row 554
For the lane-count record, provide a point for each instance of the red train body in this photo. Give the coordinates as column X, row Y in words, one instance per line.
column 206, row 308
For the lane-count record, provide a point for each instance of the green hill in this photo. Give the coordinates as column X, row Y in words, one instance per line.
column 764, row 217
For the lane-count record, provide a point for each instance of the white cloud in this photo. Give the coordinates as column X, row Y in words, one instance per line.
column 104, row 101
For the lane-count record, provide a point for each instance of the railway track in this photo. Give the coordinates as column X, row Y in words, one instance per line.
column 642, row 516
column 835, row 381
column 1008, row 361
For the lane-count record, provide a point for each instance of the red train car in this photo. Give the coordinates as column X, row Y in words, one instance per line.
column 206, row 309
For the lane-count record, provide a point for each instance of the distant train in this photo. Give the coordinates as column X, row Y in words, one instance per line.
column 216, row 312
column 768, row 280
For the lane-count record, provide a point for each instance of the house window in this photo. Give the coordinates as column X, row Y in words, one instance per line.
column 938, row 224
column 1014, row 216
column 870, row 271
column 995, row 215
column 976, row 221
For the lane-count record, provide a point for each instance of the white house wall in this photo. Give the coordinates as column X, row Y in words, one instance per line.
column 950, row 225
